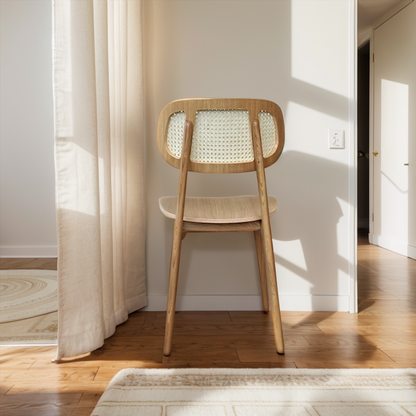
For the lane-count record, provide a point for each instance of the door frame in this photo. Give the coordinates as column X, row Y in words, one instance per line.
column 352, row 188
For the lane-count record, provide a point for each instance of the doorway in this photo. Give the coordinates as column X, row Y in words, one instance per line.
column 393, row 191
column 363, row 138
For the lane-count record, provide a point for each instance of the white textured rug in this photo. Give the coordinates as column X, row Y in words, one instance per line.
column 27, row 293
column 264, row 392
column 39, row 330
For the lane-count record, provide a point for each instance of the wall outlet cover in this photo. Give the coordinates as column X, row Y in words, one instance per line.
column 336, row 139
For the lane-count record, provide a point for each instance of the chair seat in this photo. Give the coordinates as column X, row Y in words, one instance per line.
column 218, row 210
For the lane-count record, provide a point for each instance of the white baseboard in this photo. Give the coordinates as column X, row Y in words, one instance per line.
column 28, row 251
column 305, row 303
column 393, row 245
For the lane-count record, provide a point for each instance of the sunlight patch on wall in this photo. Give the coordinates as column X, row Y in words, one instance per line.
column 302, row 124
column 343, row 283
column 290, row 260
column 292, row 282
column 343, row 244
column 312, row 37
column 395, row 132
column 394, row 153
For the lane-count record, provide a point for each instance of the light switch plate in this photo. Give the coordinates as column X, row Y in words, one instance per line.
column 336, row 139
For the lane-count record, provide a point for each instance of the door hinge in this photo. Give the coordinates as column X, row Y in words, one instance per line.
column 372, row 217
column 373, row 57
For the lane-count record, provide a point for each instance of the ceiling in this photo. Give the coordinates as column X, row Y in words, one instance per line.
column 368, row 12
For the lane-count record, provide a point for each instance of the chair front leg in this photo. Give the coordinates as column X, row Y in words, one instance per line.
column 267, row 237
column 173, row 286
column 274, row 298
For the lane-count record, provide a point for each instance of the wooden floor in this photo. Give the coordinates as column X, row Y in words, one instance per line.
column 381, row 335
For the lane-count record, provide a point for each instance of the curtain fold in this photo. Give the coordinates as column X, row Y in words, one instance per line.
column 99, row 146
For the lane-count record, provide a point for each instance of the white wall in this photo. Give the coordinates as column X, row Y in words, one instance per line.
column 27, row 210
column 295, row 53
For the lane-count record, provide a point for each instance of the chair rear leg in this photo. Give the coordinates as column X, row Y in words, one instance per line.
column 173, row 286
column 271, row 274
column 262, row 270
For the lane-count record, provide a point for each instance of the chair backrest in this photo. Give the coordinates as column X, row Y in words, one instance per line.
column 222, row 133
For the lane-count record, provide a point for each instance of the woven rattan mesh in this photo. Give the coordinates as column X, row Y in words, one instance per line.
column 221, row 136
column 268, row 133
column 176, row 131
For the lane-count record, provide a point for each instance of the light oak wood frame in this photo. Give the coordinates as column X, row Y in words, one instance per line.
column 261, row 228
column 190, row 108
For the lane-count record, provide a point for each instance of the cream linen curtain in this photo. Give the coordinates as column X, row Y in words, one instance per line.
column 99, row 169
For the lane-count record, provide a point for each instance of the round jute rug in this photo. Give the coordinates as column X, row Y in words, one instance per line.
column 27, row 293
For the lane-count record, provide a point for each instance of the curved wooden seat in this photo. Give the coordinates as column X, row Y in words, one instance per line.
column 228, row 210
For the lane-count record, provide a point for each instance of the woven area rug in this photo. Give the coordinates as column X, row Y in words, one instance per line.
column 27, row 293
column 264, row 392
column 40, row 330
column 28, row 305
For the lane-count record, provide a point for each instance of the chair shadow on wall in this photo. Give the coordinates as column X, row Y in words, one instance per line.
column 313, row 207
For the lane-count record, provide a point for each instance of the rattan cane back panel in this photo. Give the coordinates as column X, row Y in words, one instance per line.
column 222, row 134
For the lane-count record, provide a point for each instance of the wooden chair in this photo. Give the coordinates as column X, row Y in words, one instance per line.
column 222, row 136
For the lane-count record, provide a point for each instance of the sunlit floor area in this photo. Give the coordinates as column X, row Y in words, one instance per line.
column 381, row 335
